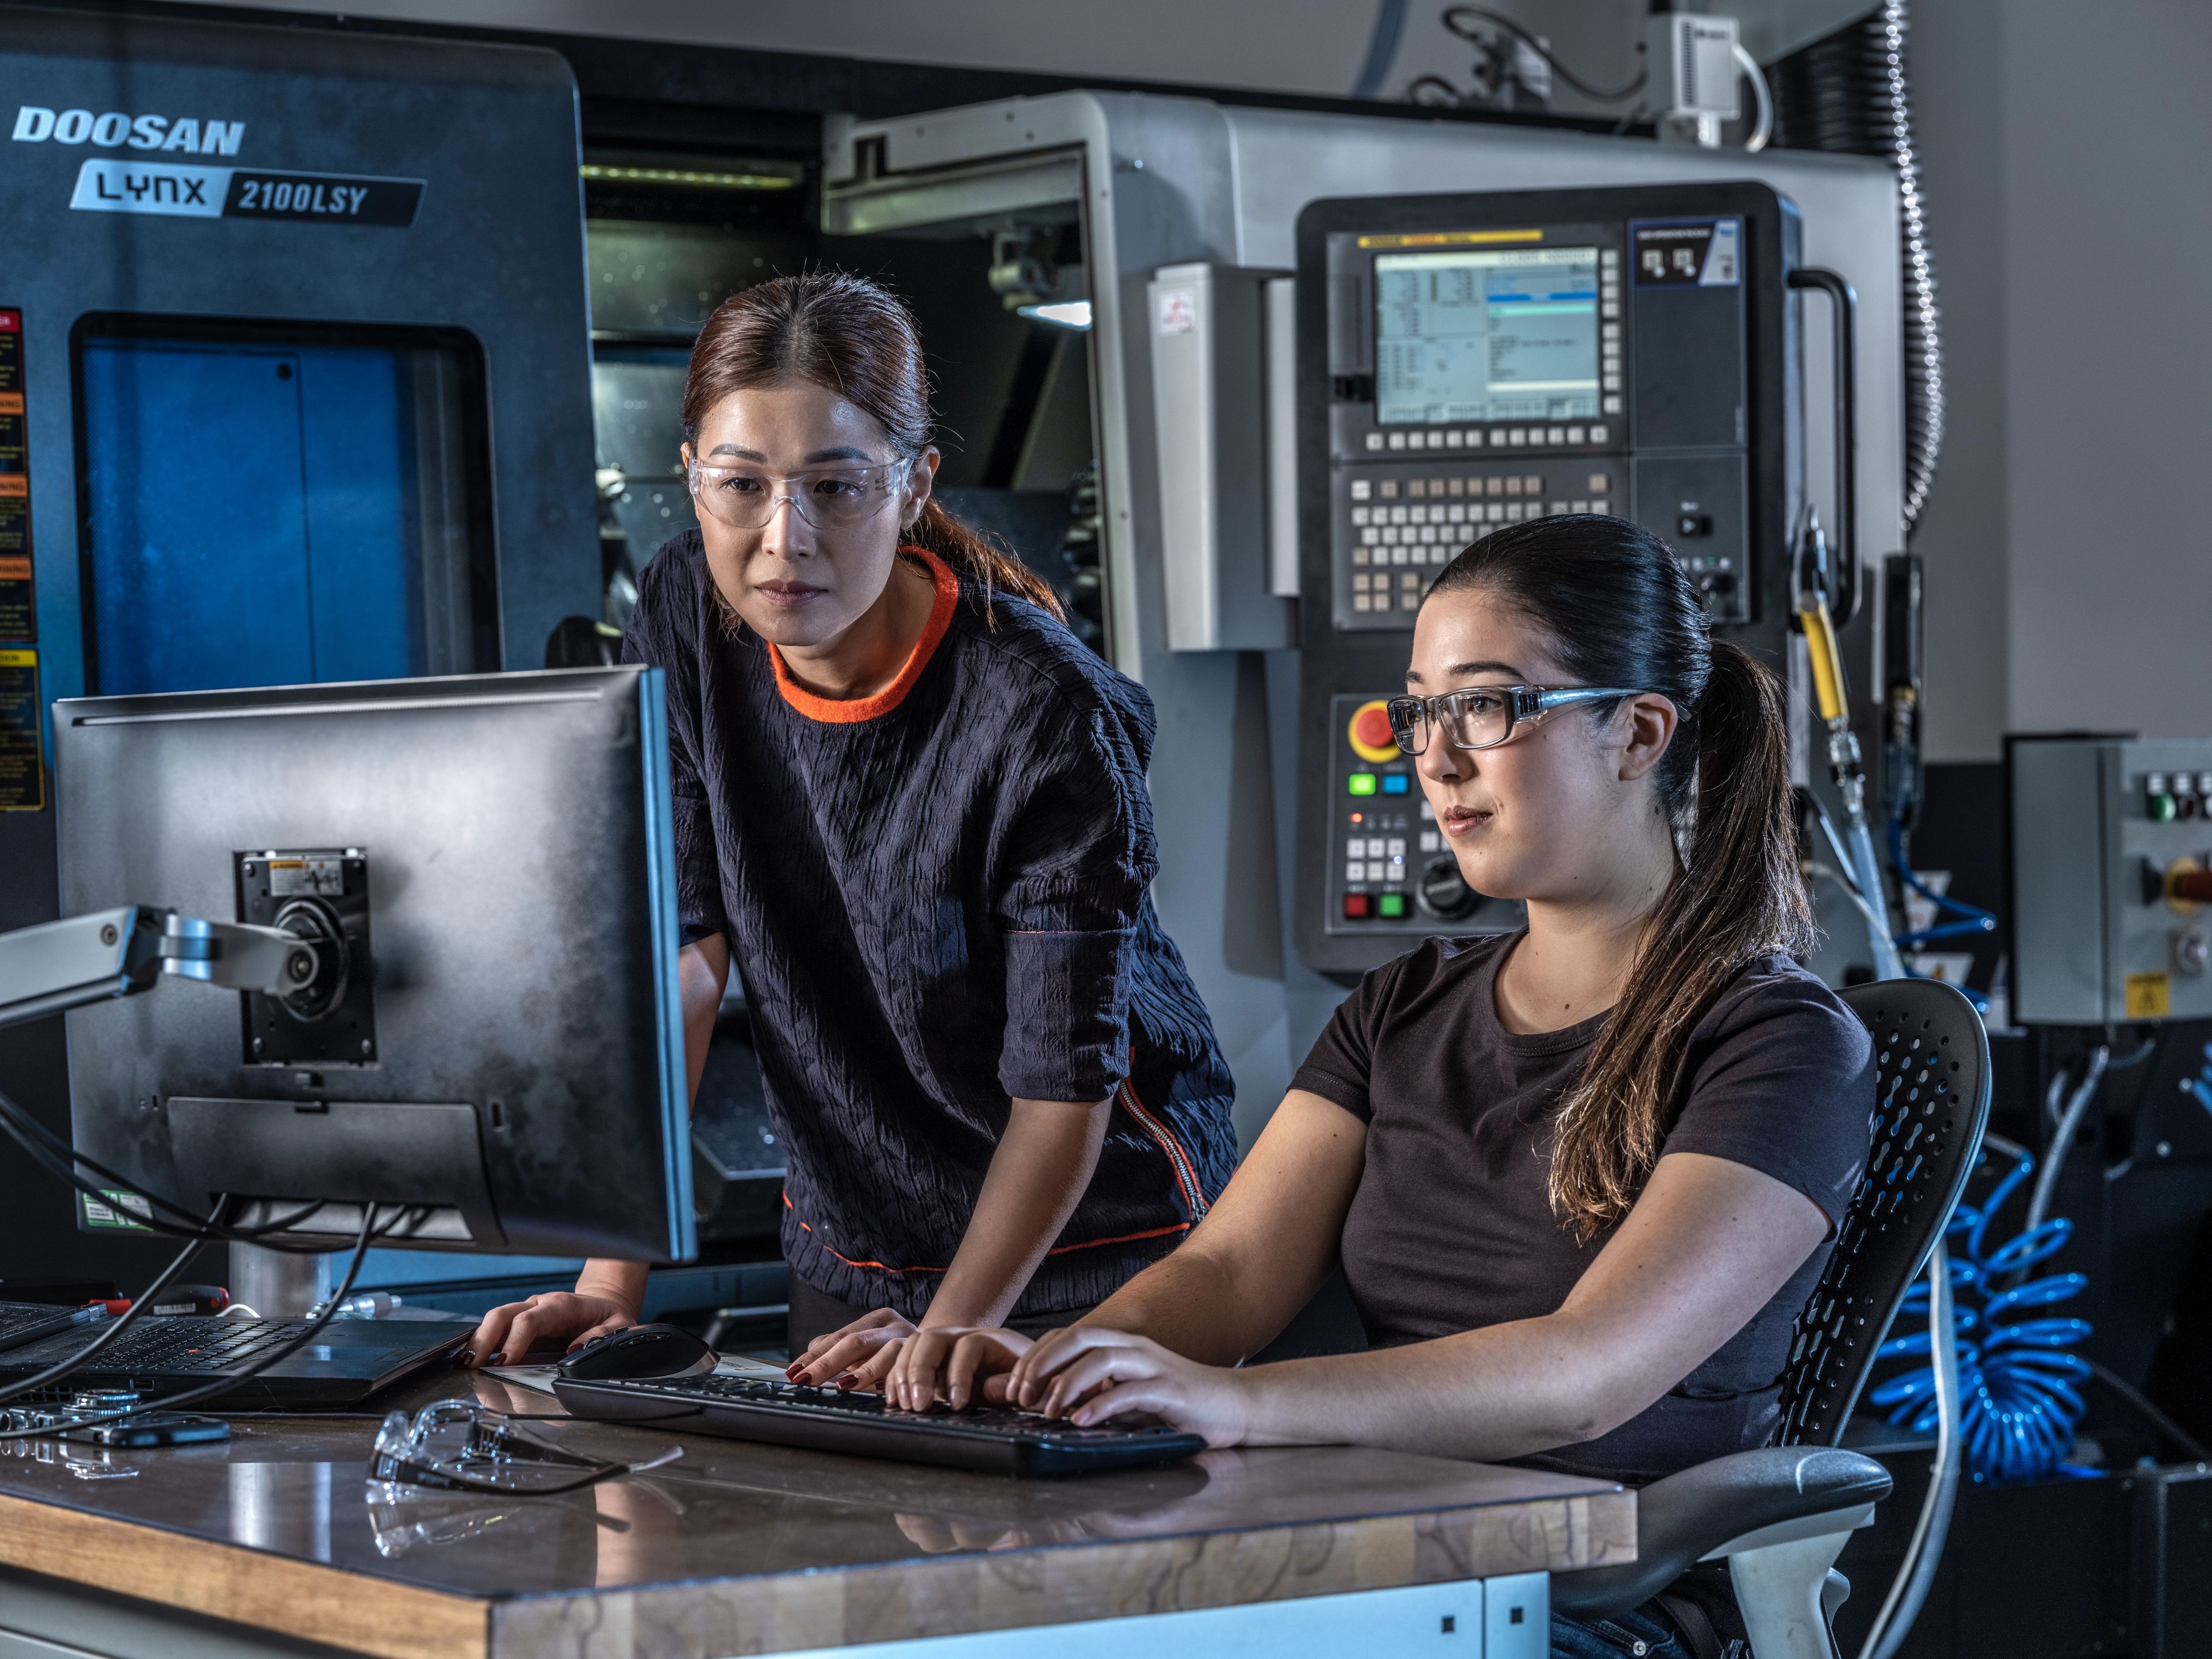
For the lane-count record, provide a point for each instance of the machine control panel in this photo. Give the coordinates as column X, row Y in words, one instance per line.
column 2111, row 863
column 1470, row 362
column 1390, row 870
column 1511, row 365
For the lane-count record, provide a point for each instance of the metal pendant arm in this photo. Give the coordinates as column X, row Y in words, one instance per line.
column 64, row 964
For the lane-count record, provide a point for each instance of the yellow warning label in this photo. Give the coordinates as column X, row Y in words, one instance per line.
column 1450, row 238
column 2150, row 996
column 23, row 759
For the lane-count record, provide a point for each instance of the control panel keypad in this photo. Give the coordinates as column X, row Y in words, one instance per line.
column 1397, row 530
column 1595, row 434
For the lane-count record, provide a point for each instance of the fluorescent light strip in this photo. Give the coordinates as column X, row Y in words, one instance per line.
column 1069, row 313
column 685, row 176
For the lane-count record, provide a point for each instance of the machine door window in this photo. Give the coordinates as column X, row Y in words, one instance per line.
column 266, row 509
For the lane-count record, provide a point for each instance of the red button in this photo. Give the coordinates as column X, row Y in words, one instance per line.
column 1355, row 906
column 1372, row 728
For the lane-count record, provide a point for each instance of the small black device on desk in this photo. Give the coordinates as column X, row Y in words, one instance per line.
column 614, row 1380
column 163, row 1353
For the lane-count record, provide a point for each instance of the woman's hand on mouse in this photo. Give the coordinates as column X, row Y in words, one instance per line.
column 560, row 1319
column 867, row 1348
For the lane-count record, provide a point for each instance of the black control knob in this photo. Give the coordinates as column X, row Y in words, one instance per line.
column 1717, row 584
column 1443, row 892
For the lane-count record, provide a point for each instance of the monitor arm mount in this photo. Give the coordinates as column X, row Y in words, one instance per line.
column 118, row 954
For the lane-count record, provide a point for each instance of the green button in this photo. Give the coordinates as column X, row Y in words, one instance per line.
column 1360, row 783
column 2162, row 808
column 1393, row 904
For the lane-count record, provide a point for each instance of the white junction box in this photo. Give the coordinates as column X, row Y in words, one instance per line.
column 1690, row 57
column 1210, row 384
column 2112, row 878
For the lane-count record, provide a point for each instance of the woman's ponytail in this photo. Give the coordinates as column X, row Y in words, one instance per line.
column 1619, row 611
column 972, row 554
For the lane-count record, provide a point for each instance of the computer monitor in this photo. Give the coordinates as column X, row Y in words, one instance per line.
column 485, row 866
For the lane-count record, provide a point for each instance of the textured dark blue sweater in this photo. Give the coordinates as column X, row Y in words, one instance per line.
column 939, row 899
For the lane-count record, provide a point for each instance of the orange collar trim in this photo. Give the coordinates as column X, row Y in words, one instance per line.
column 851, row 710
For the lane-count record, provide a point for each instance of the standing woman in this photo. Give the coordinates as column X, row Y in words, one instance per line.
column 910, row 808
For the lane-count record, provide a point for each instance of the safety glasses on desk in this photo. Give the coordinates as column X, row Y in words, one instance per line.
column 452, row 1446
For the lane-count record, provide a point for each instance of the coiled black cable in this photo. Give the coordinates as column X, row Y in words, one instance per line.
column 1847, row 92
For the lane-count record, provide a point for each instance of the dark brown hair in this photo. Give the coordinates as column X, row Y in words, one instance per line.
column 857, row 339
column 1619, row 611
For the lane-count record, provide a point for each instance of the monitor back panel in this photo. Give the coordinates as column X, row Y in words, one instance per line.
column 496, row 849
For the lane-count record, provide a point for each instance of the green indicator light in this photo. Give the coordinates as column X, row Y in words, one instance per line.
column 2161, row 807
column 1393, row 904
column 1360, row 783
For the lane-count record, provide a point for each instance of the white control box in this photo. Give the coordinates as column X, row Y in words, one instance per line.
column 1690, row 58
column 2111, row 873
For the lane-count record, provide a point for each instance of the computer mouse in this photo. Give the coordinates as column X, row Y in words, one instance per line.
column 641, row 1351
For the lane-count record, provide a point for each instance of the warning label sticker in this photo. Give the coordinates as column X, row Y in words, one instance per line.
column 22, row 770
column 322, row 874
column 18, row 612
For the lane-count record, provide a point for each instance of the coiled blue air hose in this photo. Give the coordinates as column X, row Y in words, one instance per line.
column 2018, row 1385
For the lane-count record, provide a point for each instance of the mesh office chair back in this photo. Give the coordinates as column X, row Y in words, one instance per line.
column 1931, row 1100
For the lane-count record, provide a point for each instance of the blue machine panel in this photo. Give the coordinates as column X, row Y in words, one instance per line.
column 252, row 515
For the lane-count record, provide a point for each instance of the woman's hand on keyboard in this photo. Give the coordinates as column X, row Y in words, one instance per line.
column 560, row 1319
column 962, row 1364
column 1089, row 1375
column 867, row 1348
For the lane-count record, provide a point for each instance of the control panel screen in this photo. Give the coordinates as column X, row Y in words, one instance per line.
column 1489, row 334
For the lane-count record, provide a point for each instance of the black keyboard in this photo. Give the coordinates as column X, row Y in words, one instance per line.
column 995, row 1439
column 27, row 1321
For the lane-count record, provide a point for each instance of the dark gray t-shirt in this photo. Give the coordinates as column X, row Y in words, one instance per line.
column 1452, row 1230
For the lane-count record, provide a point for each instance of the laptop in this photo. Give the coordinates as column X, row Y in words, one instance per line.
column 27, row 1321
column 163, row 1354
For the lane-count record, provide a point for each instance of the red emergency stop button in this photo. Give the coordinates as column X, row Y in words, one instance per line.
column 1369, row 732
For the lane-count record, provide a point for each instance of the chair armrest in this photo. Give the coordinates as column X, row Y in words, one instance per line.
column 1743, row 1501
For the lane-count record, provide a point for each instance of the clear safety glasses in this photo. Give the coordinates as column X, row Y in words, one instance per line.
column 1483, row 716
column 829, row 498
column 454, row 1446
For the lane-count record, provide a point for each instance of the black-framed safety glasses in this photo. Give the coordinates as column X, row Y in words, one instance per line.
column 1484, row 716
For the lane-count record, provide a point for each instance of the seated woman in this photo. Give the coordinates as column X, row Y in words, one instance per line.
column 1581, row 1178
column 910, row 811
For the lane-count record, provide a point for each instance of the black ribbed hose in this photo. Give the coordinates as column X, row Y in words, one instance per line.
column 1847, row 92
